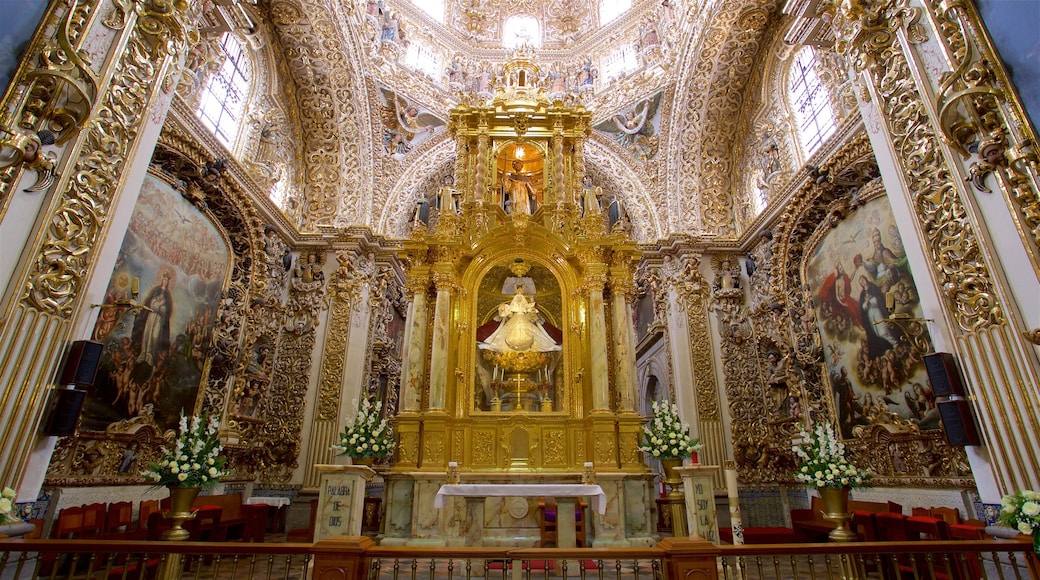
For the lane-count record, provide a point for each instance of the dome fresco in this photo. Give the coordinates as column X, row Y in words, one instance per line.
column 664, row 80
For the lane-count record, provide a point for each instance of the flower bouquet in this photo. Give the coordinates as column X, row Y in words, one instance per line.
column 666, row 436
column 1021, row 510
column 369, row 436
column 195, row 459
column 823, row 462
column 7, row 511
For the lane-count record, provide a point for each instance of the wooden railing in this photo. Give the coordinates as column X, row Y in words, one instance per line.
column 358, row 558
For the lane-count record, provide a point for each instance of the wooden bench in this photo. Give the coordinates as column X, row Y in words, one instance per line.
column 809, row 525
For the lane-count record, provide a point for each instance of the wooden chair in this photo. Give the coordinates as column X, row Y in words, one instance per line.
column 548, row 524
column 949, row 515
column 94, row 516
column 119, row 519
column 70, row 523
column 927, row 528
column 205, row 526
column 256, row 522
column 305, row 535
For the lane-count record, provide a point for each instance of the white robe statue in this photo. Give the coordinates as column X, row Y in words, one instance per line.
column 521, row 328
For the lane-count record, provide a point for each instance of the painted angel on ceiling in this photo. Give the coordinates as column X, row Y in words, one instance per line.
column 635, row 128
column 405, row 125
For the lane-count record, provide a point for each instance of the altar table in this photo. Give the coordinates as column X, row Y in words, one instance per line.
column 565, row 494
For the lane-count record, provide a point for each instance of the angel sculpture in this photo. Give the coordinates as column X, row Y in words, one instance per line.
column 634, row 129
column 405, row 125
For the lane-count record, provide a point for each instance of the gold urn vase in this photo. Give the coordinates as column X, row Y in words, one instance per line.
column 671, row 477
column 181, row 499
column 836, row 509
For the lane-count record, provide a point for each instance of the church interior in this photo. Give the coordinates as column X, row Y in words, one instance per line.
column 516, row 225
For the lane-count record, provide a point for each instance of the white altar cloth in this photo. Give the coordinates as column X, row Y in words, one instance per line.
column 598, row 499
column 271, row 501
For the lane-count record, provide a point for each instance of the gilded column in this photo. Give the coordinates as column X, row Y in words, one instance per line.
column 440, row 362
column 347, row 289
column 599, row 365
column 462, row 169
column 622, row 290
column 579, row 168
column 413, row 353
column 480, row 182
column 689, row 340
column 97, row 156
column 561, row 191
column 927, row 107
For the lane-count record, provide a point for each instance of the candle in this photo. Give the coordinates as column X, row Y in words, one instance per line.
column 734, row 502
column 731, row 484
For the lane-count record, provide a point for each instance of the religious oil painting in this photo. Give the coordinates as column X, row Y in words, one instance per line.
column 519, row 340
column 158, row 314
column 866, row 306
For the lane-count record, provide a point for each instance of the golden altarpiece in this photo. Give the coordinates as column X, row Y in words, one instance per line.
column 519, row 361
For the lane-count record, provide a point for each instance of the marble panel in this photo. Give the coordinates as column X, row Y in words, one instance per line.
column 399, row 508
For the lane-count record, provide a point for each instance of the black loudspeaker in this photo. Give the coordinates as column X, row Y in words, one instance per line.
column 958, row 424
column 65, row 409
column 943, row 374
column 82, row 363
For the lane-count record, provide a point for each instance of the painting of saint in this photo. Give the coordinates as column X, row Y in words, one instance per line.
column 156, row 343
column 861, row 282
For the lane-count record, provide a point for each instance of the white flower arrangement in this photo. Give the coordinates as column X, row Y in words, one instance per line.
column 7, row 510
column 368, row 435
column 823, row 462
column 195, row 459
column 1021, row 510
column 666, row 436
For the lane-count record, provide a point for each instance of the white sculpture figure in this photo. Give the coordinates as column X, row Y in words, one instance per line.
column 521, row 328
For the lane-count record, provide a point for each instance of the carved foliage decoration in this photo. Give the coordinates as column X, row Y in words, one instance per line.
column 976, row 108
column 331, row 95
column 71, row 234
column 705, row 113
column 950, row 237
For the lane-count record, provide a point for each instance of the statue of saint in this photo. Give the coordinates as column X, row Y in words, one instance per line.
column 522, row 198
column 520, row 329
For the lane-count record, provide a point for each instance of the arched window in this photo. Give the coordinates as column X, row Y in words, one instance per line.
column 810, row 101
column 420, row 58
column 223, row 98
column 611, row 9
column 519, row 30
column 621, row 62
column 435, row 8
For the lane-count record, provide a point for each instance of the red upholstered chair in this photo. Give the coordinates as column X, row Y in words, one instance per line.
column 966, row 532
column 891, row 527
column 927, row 528
column 968, row 564
column 864, row 526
